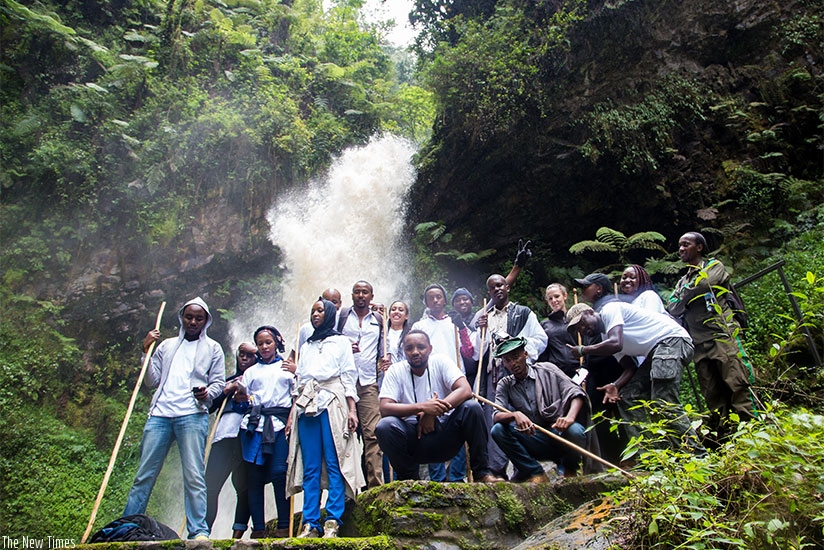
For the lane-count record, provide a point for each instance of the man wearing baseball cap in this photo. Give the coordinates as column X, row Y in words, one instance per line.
column 596, row 289
column 627, row 332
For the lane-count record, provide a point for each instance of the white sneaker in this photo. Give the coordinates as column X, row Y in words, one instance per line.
column 309, row 532
column 330, row 529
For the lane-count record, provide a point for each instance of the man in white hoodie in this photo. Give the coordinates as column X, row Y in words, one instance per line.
column 188, row 372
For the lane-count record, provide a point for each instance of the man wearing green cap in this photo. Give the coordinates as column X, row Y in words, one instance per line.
column 538, row 395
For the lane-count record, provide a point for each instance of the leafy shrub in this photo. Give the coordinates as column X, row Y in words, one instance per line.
column 639, row 135
column 762, row 490
column 45, row 462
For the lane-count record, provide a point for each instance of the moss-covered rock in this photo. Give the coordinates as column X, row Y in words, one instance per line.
column 420, row 514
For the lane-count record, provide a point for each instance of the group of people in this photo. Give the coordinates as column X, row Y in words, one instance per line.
column 369, row 396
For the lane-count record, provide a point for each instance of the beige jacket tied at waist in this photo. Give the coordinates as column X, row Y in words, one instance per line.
column 348, row 448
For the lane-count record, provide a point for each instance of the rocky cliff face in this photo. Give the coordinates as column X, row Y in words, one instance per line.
column 655, row 120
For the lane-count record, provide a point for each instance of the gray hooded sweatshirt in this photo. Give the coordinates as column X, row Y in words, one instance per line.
column 210, row 368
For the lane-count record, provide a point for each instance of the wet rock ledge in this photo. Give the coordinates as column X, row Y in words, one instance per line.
column 436, row 516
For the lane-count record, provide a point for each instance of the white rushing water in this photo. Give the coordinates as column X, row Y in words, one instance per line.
column 339, row 228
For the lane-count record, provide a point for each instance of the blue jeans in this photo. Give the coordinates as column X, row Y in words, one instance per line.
column 272, row 470
column 318, row 449
column 190, row 433
column 457, row 468
column 525, row 450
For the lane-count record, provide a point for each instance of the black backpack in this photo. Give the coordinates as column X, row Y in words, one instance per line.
column 737, row 305
column 134, row 527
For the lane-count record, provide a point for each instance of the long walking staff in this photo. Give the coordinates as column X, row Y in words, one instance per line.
column 559, row 439
column 575, row 301
column 122, row 431
column 481, row 357
column 292, row 497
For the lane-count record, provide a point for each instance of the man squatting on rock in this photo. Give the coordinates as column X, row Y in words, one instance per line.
column 542, row 395
column 428, row 414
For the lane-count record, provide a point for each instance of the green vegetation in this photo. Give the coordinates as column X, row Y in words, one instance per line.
column 55, row 462
column 762, row 490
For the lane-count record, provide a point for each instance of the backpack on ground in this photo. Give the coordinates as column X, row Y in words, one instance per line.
column 134, row 527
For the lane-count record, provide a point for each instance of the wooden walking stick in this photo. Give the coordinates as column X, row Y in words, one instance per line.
column 575, row 301
column 559, row 439
column 481, row 356
column 292, row 497
column 122, row 430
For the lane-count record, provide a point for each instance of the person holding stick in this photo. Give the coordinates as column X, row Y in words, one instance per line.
column 226, row 457
column 463, row 309
column 501, row 320
column 322, row 449
column 539, row 394
column 428, row 413
column 264, row 397
column 188, row 372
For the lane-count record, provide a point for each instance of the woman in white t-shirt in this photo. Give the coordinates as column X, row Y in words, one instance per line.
column 636, row 285
column 323, row 445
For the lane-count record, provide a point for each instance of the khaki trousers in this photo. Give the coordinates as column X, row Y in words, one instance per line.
column 369, row 414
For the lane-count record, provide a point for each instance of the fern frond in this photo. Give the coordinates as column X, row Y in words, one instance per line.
column 425, row 226
column 611, row 237
column 647, row 236
column 591, row 246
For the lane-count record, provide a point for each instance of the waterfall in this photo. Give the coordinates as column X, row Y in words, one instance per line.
column 340, row 228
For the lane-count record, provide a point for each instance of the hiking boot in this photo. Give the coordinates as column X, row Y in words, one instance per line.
column 282, row 533
column 258, row 534
column 489, row 478
column 330, row 529
column 237, row 534
column 540, row 478
column 309, row 532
